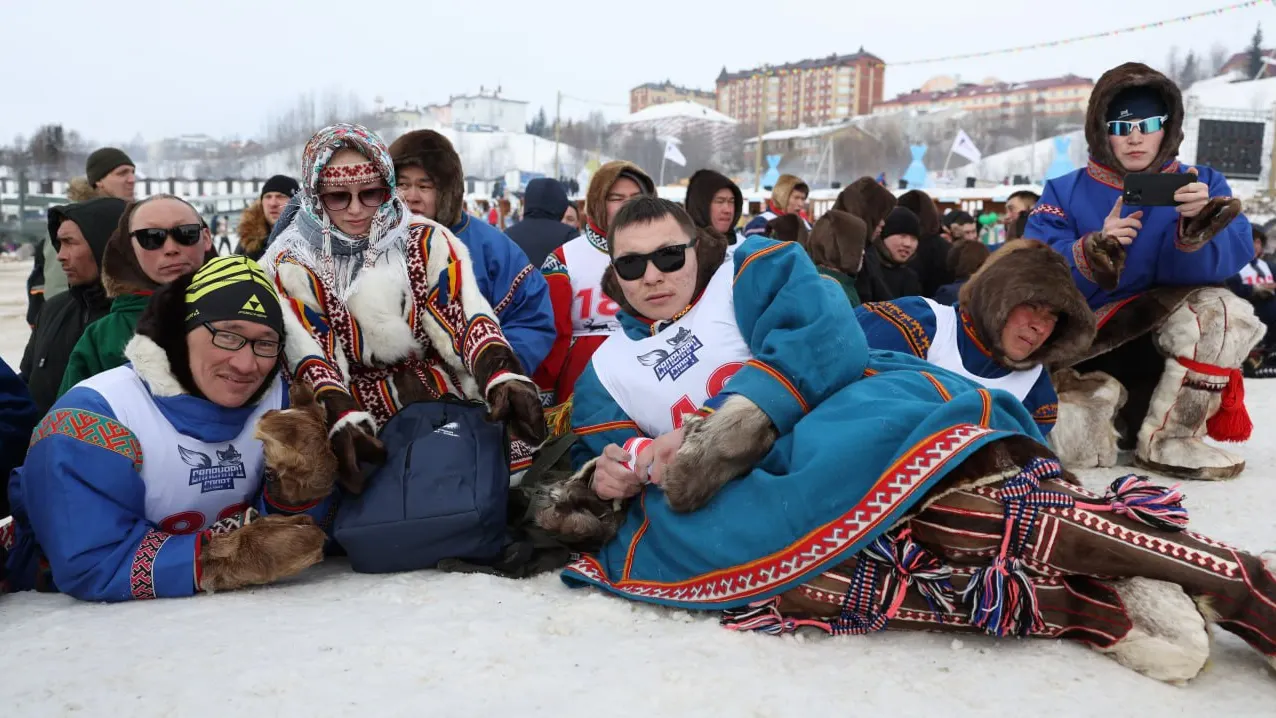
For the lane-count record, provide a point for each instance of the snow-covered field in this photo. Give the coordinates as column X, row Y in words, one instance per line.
column 332, row 643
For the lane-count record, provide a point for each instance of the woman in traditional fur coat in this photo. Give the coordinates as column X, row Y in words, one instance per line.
column 783, row 473
column 1168, row 330
column 1017, row 316
column 383, row 305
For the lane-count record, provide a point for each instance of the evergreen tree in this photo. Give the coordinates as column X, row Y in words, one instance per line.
column 1190, row 73
column 1255, row 64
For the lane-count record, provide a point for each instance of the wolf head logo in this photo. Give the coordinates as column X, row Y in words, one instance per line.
column 683, row 335
column 229, row 456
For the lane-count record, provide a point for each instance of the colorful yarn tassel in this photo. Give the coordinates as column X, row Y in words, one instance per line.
column 1147, row 503
column 913, row 565
column 1002, row 599
column 765, row 617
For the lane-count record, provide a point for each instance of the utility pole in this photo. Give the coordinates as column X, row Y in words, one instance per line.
column 558, row 116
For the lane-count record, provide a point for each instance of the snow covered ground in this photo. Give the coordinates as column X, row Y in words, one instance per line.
column 332, row 642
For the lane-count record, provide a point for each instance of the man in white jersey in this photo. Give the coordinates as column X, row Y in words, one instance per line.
column 782, row 473
column 583, row 315
column 149, row 481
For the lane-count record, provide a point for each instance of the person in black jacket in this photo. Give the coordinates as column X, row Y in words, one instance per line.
column 79, row 231
column 715, row 202
column 930, row 261
column 543, row 228
column 892, row 250
column 18, row 417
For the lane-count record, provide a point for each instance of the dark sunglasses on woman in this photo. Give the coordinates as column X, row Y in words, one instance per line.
column 152, row 238
column 1121, row 128
column 337, row 201
column 631, row 267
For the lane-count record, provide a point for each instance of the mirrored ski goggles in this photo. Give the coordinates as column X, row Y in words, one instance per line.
column 1121, row 128
column 152, row 238
column 631, row 267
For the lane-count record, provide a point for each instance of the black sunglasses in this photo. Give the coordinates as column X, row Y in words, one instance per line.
column 667, row 259
column 152, row 238
column 230, row 341
column 337, row 201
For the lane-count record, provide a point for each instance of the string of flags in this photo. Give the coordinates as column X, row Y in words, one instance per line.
column 1092, row 36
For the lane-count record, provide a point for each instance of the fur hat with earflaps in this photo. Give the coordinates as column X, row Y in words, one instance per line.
column 433, row 153
column 783, row 189
column 600, row 184
column 867, row 199
column 837, row 242
column 225, row 288
column 1025, row 271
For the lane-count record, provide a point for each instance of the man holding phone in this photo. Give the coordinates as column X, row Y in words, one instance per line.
column 1149, row 242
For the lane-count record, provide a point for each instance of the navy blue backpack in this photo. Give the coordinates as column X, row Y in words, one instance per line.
column 441, row 494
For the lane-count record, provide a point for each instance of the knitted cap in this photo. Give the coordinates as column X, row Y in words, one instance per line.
column 901, row 220
column 232, row 288
column 283, row 184
column 103, row 162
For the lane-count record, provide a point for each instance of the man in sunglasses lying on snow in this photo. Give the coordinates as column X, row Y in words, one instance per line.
column 1167, row 328
column 158, row 240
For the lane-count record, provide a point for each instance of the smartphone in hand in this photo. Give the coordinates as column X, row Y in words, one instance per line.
column 1154, row 189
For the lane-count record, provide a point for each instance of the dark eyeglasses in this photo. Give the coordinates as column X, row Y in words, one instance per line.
column 152, row 238
column 232, row 342
column 1121, row 128
column 667, row 259
column 337, row 201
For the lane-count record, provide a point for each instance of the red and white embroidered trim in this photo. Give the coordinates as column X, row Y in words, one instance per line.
column 142, row 578
column 349, row 174
column 1081, row 261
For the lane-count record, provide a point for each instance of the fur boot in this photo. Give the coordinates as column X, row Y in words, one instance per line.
column 571, row 512
column 1085, row 434
column 1206, row 337
column 715, row 450
column 1169, row 639
column 1034, row 525
column 263, row 551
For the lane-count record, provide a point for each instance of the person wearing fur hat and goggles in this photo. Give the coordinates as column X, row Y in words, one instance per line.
column 1167, row 328
column 742, row 450
column 1018, row 315
column 383, row 308
column 152, row 480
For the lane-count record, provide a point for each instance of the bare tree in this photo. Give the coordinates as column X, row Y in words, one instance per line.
column 1173, row 64
column 1217, row 58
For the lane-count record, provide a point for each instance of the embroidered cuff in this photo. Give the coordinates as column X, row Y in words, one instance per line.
column 1080, row 260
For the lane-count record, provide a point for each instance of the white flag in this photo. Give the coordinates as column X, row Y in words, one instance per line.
column 673, row 154
column 965, row 147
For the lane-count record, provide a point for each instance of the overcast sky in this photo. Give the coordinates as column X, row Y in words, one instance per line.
column 117, row 68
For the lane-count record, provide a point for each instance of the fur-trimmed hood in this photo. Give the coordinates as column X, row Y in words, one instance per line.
column 121, row 273
column 922, row 205
column 1024, row 271
column 434, row 153
column 81, row 191
column 600, row 184
column 711, row 251
column 1121, row 77
column 783, row 189
column 788, row 228
column 253, row 230
column 867, row 199
column 701, row 188
column 837, row 242
column 158, row 349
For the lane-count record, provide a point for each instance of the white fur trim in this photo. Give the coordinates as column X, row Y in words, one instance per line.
column 1085, row 435
column 150, row 361
column 351, row 419
column 471, row 299
column 1169, row 640
column 381, row 309
column 298, row 343
column 504, row 378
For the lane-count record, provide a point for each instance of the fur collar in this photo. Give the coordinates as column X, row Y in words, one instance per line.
column 253, row 230
column 151, row 363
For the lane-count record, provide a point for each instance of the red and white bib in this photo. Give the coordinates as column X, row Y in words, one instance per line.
column 593, row 313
